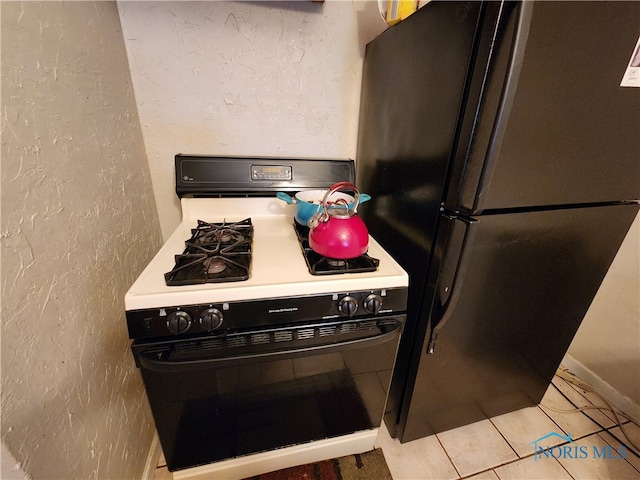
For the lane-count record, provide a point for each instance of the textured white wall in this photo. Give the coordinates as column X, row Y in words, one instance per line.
column 9, row 467
column 245, row 78
column 608, row 341
column 78, row 224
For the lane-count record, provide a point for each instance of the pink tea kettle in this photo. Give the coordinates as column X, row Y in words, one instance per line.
column 338, row 233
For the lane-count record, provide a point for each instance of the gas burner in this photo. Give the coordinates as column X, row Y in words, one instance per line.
column 319, row 265
column 215, row 264
column 334, row 262
column 216, row 252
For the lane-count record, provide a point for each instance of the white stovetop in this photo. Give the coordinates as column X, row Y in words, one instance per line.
column 278, row 268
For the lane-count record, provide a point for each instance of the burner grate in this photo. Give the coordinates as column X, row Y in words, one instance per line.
column 215, row 252
column 319, row 265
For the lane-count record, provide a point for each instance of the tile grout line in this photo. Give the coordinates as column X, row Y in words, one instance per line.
column 505, row 439
column 532, row 454
column 526, row 456
column 583, row 393
column 604, row 410
column 602, row 428
column 519, row 458
column 448, row 456
column 621, row 442
column 579, row 391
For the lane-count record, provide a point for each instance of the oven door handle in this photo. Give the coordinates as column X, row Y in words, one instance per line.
column 160, row 365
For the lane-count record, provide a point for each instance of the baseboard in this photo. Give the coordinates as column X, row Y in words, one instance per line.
column 152, row 459
column 621, row 402
column 243, row 467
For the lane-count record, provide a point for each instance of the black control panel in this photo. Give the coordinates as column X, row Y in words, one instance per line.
column 207, row 318
column 204, row 175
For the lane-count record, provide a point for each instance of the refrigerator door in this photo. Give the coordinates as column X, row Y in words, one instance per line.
column 547, row 122
column 413, row 85
column 507, row 294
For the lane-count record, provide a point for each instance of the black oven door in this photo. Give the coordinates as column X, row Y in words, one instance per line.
column 220, row 396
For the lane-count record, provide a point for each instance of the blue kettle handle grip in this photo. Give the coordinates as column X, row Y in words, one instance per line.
column 287, row 198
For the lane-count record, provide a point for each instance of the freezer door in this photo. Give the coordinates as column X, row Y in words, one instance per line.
column 413, row 84
column 547, row 122
column 508, row 293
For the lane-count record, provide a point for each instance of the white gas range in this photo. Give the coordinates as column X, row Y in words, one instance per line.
column 276, row 356
column 278, row 267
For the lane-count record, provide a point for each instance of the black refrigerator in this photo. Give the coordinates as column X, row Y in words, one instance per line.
column 503, row 159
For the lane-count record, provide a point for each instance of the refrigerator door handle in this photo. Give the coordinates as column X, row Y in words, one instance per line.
column 458, row 231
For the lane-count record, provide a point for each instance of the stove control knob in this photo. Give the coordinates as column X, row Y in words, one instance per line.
column 211, row 319
column 178, row 322
column 348, row 305
column 373, row 303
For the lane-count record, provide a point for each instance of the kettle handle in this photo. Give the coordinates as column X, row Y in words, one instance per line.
column 322, row 215
column 340, row 186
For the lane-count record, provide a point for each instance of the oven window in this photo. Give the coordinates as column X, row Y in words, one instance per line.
column 211, row 407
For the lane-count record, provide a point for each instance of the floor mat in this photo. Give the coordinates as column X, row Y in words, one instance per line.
column 363, row 466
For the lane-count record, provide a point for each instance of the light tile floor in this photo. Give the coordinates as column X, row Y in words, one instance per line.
column 501, row 448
